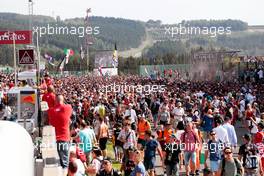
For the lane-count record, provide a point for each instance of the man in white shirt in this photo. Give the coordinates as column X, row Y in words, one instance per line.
column 230, row 132
column 130, row 112
column 221, row 132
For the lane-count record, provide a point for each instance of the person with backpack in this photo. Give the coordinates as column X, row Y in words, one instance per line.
column 96, row 162
column 230, row 166
column 107, row 169
column 173, row 156
column 128, row 137
column 189, row 142
column 214, row 152
column 248, row 154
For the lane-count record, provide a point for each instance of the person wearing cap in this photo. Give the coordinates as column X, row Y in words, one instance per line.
column 214, row 152
column 107, row 169
column 230, row 166
column 230, row 131
column 150, row 152
column 173, row 156
column 143, row 126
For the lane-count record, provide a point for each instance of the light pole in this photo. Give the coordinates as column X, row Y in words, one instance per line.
column 15, row 67
column 87, row 38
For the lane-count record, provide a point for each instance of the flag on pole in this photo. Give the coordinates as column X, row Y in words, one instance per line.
column 62, row 64
column 115, row 57
column 82, row 53
column 68, row 53
column 49, row 59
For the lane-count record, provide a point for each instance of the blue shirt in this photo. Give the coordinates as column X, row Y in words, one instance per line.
column 140, row 168
column 150, row 150
column 208, row 123
column 214, row 150
column 86, row 141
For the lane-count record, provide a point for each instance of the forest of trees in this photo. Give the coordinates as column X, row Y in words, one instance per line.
column 125, row 33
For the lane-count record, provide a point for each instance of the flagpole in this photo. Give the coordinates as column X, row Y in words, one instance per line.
column 38, row 68
column 15, row 67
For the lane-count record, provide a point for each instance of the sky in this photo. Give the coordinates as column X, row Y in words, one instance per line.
column 168, row 11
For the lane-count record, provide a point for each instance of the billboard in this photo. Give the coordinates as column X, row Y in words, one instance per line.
column 104, row 59
column 106, row 72
column 20, row 37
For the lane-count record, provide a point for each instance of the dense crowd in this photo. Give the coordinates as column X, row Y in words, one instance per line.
column 175, row 118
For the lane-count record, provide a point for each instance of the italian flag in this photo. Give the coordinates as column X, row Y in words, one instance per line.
column 68, row 53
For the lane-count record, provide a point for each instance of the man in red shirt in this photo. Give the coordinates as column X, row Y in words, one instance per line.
column 60, row 118
column 259, row 137
column 50, row 97
column 48, row 80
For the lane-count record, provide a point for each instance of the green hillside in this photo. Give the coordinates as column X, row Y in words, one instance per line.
column 103, row 33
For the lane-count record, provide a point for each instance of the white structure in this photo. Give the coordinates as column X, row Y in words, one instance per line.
column 16, row 150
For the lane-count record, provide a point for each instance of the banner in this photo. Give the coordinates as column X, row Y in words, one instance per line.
column 20, row 37
column 103, row 59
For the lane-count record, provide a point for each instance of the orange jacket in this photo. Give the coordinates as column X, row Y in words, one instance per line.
column 143, row 126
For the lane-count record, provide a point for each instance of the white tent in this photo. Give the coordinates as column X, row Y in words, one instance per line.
column 27, row 75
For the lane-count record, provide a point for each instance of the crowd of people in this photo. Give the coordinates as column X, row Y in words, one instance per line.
column 178, row 122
